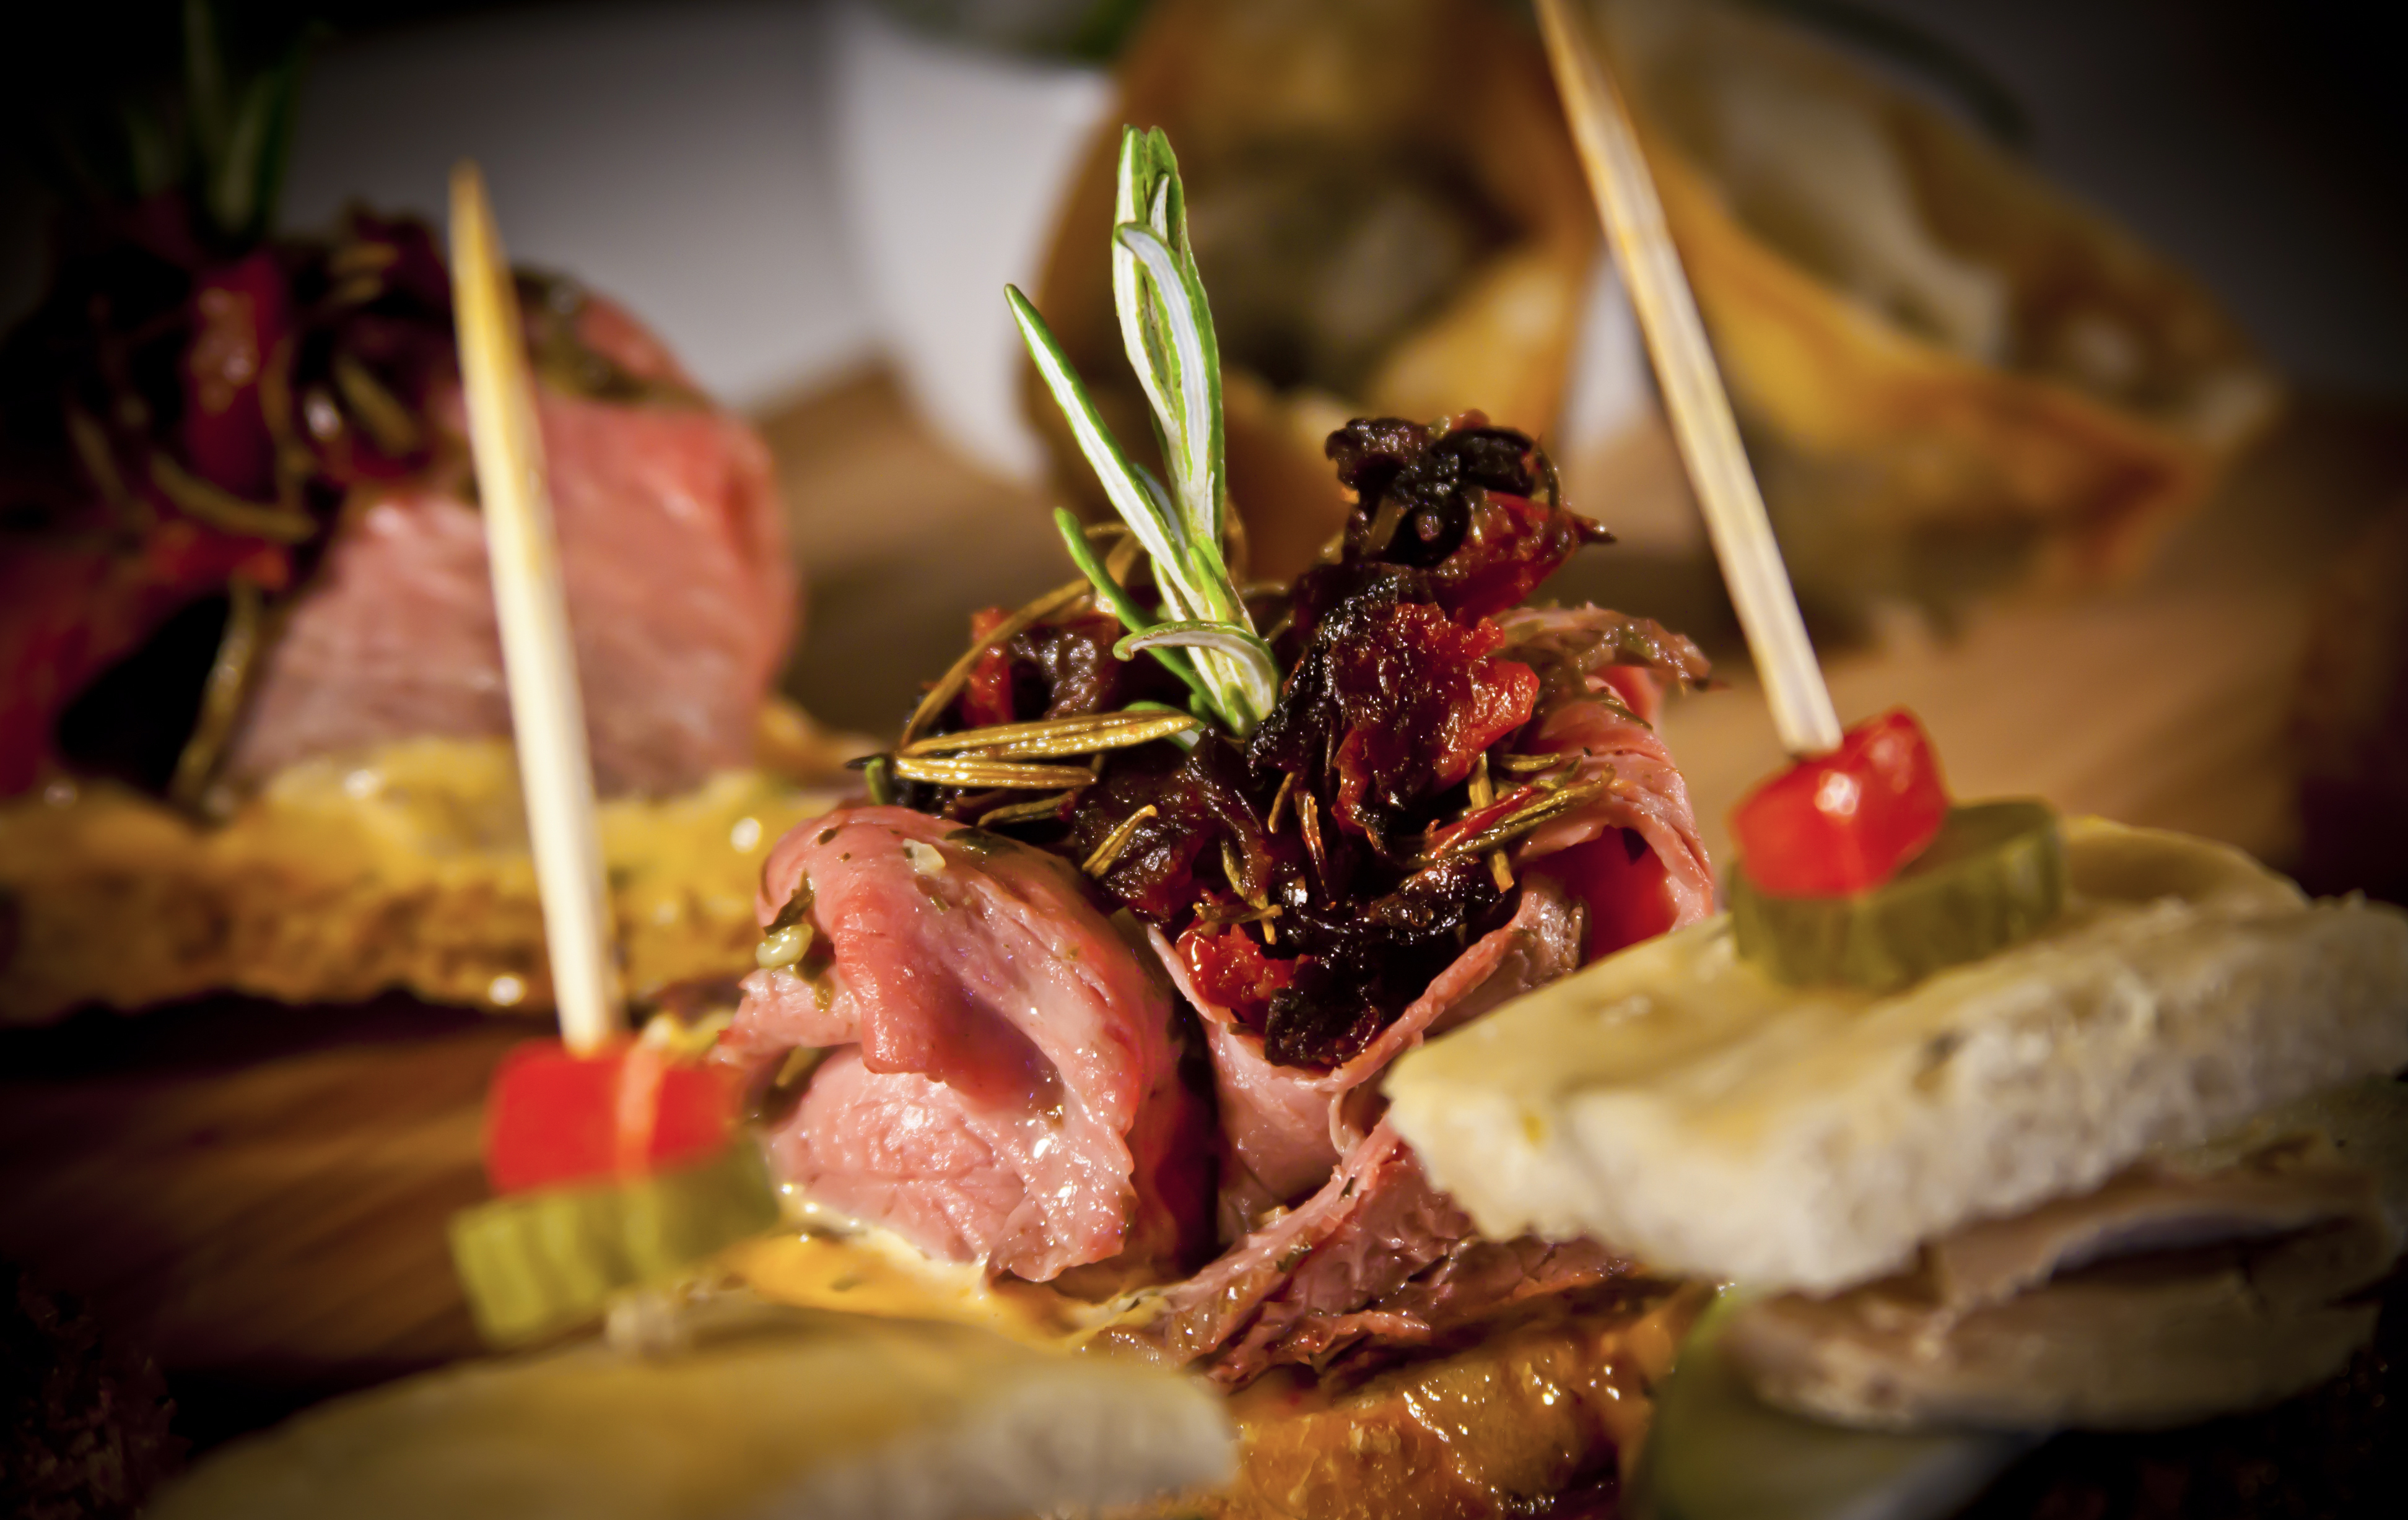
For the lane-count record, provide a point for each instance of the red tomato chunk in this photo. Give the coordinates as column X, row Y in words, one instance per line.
column 1846, row 822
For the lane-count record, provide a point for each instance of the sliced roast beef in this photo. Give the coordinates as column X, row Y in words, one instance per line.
column 1372, row 1252
column 1627, row 863
column 1286, row 1126
column 1631, row 854
column 1006, row 1086
column 1377, row 1254
column 680, row 594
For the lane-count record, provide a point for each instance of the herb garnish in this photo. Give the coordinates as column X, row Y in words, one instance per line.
column 1204, row 636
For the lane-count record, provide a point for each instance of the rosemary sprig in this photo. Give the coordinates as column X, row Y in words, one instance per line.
column 945, row 771
column 1205, row 637
column 1049, row 738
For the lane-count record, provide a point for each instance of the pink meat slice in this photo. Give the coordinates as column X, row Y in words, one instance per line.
column 1627, row 865
column 1285, row 1128
column 1633, row 856
column 1370, row 1251
column 1378, row 1255
column 682, row 596
column 1005, row 1085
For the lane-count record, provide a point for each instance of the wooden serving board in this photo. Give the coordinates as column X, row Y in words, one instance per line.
column 262, row 1192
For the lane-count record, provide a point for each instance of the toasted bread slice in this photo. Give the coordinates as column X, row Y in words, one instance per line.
column 1673, row 1102
column 404, row 867
column 1495, row 1428
column 769, row 1411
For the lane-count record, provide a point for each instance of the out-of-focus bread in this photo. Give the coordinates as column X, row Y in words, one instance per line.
column 407, row 867
column 1675, row 1102
column 2167, row 1297
column 811, row 1417
column 1947, row 369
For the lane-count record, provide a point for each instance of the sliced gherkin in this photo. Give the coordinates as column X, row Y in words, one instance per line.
column 535, row 1262
column 1714, row 1453
column 1993, row 877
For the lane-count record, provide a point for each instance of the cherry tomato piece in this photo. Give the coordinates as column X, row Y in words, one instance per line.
column 554, row 1117
column 1846, row 822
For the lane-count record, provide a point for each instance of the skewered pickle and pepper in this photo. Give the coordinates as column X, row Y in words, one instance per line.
column 1994, row 876
column 1848, row 820
column 617, row 1168
column 535, row 1262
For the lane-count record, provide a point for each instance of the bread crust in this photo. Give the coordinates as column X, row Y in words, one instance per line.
column 1672, row 1101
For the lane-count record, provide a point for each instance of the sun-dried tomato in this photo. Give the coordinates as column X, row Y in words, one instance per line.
column 986, row 696
column 1055, row 670
column 1512, row 543
column 1231, row 969
column 1421, row 698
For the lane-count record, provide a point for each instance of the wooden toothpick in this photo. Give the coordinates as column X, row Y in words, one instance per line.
column 1693, row 388
column 546, row 715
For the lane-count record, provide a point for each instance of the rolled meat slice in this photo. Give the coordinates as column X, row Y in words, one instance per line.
column 1623, row 866
column 1377, row 1253
column 1370, row 1250
column 1285, row 1128
column 1002, row 1084
column 1633, row 857
column 681, row 594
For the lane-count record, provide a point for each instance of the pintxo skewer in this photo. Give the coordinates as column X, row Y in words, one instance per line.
column 1693, row 389
column 619, row 1161
column 547, row 714
column 1938, row 1063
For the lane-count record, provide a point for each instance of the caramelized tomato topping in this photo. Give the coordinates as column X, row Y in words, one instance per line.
column 1420, row 696
column 986, row 696
column 1232, row 969
column 1846, row 822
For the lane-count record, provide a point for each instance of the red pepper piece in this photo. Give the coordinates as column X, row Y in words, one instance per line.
column 555, row 1117
column 239, row 316
column 986, row 696
column 1232, row 971
column 1846, row 822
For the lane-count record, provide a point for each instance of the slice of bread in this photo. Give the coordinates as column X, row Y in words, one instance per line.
column 770, row 1410
column 1672, row 1101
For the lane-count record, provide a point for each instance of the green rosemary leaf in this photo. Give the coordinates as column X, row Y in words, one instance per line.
column 205, row 82
column 233, row 186
column 1196, row 468
column 1140, row 507
column 1110, row 593
column 1221, row 638
column 1166, row 330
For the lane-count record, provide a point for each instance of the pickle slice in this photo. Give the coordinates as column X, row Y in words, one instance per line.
column 535, row 1262
column 1714, row 1453
column 1994, row 876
